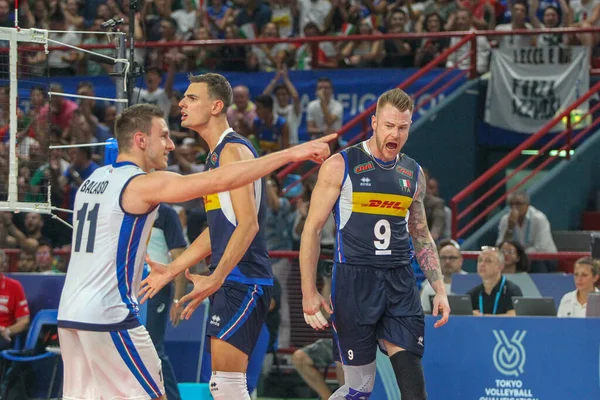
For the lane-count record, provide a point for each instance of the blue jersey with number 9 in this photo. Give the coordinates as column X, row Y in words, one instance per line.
column 371, row 211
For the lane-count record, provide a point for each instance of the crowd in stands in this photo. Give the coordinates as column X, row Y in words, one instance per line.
column 185, row 20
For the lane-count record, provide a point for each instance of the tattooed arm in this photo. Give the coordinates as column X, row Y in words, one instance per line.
column 426, row 252
column 425, row 248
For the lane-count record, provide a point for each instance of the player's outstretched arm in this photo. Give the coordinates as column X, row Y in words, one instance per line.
column 162, row 186
column 324, row 196
column 426, row 251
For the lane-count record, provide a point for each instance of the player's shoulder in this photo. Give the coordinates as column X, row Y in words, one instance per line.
column 333, row 166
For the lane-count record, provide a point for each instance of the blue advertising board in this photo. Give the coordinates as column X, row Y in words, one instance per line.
column 470, row 358
column 356, row 89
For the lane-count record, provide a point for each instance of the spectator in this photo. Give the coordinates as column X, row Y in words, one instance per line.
column 45, row 262
column 451, row 262
column 287, row 102
column 61, row 62
column 70, row 9
column 364, row 53
column 98, row 108
column 166, row 58
column 279, row 237
column 200, row 58
column 445, row 9
column 48, row 174
column 324, row 115
column 481, row 12
column 32, row 231
column 434, row 211
column 61, row 109
column 315, row 11
column 430, row 48
column 219, row 16
column 433, row 187
column 552, row 17
column 185, row 17
column 272, row 132
column 14, row 313
column 282, row 15
column 80, row 169
column 253, row 17
column 518, row 17
column 242, row 112
column 464, row 23
column 515, row 258
column 232, row 58
column 326, row 52
column 398, row 52
column 526, row 225
column 268, row 56
column 27, row 256
column 494, row 295
column 586, row 274
column 585, row 14
column 154, row 94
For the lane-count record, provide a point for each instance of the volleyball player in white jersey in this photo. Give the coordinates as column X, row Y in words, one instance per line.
column 106, row 351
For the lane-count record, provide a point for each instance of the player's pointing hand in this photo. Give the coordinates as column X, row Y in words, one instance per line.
column 316, row 150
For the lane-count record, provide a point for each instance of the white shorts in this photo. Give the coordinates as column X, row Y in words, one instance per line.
column 110, row 365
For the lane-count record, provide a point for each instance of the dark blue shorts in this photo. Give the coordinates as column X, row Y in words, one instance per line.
column 237, row 314
column 370, row 305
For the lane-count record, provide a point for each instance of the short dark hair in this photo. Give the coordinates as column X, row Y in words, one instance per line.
column 325, row 79
column 264, row 100
column 85, row 84
column 137, row 118
column 154, row 70
column 218, row 86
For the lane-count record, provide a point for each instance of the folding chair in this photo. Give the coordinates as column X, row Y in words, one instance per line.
column 42, row 318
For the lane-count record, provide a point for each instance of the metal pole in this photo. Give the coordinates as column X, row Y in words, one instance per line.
column 120, row 72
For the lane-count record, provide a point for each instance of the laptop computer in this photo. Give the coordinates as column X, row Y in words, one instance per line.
column 534, row 306
column 460, row 304
column 592, row 308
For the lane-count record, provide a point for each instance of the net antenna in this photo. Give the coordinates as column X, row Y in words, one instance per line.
column 14, row 200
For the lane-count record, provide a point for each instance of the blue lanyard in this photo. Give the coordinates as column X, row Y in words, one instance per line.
column 497, row 296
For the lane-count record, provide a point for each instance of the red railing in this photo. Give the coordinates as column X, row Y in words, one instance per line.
column 567, row 134
column 566, row 256
column 364, row 116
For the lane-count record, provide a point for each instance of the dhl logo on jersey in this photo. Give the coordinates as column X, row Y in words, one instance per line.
column 211, row 202
column 380, row 204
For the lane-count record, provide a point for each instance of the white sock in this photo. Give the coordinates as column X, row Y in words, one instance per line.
column 229, row 385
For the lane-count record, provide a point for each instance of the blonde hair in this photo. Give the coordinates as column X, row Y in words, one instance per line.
column 397, row 98
column 593, row 263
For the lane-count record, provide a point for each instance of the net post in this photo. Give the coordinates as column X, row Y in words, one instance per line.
column 121, row 71
column 13, row 194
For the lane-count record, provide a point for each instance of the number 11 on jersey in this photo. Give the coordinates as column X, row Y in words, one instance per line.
column 383, row 234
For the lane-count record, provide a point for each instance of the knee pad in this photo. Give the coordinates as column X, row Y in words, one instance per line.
column 409, row 375
column 229, row 385
column 359, row 382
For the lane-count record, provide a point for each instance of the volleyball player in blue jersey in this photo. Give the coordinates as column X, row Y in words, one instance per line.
column 376, row 194
column 241, row 279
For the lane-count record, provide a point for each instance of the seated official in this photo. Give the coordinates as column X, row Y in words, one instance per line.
column 586, row 274
column 494, row 295
column 451, row 262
